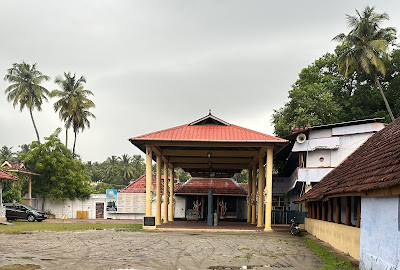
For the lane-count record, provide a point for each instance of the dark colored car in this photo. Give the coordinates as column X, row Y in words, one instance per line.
column 22, row 211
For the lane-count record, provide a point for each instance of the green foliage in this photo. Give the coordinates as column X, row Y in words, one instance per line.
column 10, row 191
column 61, row 175
column 117, row 171
column 73, row 104
column 6, row 153
column 25, row 89
column 21, row 227
column 181, row 175
column 331, row 262
column 101, row 188
column 242, row 177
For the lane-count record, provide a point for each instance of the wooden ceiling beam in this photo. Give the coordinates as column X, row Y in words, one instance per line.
column 212, row 166
column 213, row 153
column 208, row 160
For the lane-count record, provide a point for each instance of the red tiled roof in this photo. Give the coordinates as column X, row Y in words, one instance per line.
column 6, row 176
column 139, row 185
column 222, row 131
column 245, row 187
column 13, row 166
column 220, row 186
column 374, row 165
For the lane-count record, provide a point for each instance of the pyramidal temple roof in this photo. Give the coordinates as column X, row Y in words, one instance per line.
column 209, row 128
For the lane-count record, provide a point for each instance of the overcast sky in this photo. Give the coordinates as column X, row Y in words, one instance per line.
column 157, row 64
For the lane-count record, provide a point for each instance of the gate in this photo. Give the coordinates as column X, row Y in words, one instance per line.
column 99, row 210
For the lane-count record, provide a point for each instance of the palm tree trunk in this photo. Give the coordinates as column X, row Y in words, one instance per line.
column 66, row 137
column 383, row 96
column 34, row 125
column 73, row 149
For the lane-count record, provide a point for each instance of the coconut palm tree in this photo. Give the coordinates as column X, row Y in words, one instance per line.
column 126, row 168
column 367, row 46
column 25, row 88
column 80, row 118
column 68, row 93
column 112, row 166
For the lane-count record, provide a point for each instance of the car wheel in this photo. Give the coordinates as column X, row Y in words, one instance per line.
column 31, row 218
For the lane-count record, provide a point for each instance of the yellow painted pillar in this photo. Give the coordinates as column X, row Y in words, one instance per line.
column 165, row 192
column 249, row 179
column 261, row 177
column 254, row 194
column 149, row 176
column 171, row 195
column 158, row 191
column 268, row 189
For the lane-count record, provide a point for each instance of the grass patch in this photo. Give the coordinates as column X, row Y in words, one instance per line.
column 269, row 255
column 331, row 262
column 243, row 248
column 23, row 227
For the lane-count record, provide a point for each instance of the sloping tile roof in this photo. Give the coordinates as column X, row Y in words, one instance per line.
column 5, row 176
column 13, row 166
column 374, row 165
column 220, row 186
column 139, row 185
column 196, row 131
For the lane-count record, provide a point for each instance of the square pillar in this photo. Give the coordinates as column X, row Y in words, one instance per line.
column 330, row 209
column 249, row 186
column 210, row 216
column 253, row 194
column 268, row 191
column 324, row 216
column 348, row 211
column 261, row 179
column 171, row 195
column 338, row 210
column 158, row 191
column 165, row 192
column 149, row 176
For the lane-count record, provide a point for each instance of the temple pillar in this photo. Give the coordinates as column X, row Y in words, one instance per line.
column 249, row 185
column 149, row 176
column 261, row 179
column 268, row 190
column 165, row 192
column 171, row 195
column 158, row 190
column 210, row 216
column 253, row 194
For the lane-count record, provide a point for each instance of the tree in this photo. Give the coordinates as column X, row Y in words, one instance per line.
column 71, row 90
column 61, row 175
column 126, row 168
column 112, row 168
column 101, row 188
column 25, row 88
column 367, row 47
column 314, row 98
column 6, row 153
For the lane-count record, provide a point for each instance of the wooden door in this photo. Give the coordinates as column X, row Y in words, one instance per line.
column 99, row 210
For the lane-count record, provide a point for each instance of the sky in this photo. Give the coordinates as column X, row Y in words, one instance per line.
column 158, row 64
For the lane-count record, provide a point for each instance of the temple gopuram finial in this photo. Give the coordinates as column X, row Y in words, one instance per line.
column 209, row 111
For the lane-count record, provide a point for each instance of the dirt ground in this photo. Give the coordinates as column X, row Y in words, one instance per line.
column 111, row 249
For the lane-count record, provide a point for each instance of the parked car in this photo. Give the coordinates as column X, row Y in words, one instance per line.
column 16, row 211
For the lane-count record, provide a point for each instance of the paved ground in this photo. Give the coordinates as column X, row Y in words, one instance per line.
column 110, row 249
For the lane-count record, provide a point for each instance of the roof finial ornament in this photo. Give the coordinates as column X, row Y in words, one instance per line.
column 209, row 111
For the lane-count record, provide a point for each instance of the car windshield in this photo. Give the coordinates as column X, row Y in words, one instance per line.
column 28, row 207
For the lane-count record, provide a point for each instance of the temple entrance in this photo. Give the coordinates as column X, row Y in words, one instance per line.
column 211, row 150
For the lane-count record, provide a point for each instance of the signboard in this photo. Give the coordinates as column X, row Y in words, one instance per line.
column 111, row 199
column 131, row 203
column 149, row 221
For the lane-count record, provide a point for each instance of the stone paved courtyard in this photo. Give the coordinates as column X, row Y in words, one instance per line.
column 110, row 249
